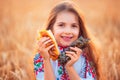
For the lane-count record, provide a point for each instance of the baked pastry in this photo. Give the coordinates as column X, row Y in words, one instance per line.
column 54, row 50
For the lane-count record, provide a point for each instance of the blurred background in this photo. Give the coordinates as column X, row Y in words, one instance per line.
column 20, row 21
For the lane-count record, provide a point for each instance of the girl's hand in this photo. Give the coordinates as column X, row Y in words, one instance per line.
column 42, row 49
column 73, row 55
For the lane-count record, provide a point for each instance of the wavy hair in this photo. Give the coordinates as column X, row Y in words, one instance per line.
column 91, row 52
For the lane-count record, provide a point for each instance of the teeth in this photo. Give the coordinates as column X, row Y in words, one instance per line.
column 66, row 37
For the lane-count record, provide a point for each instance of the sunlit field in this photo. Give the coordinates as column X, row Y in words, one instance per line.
column 20, row 20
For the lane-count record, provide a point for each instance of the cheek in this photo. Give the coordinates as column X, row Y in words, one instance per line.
column 56, row 33
column 76, row 33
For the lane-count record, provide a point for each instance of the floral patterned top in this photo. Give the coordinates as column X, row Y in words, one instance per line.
column 82, row 67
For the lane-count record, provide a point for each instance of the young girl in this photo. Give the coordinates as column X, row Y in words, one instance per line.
column 66, row 23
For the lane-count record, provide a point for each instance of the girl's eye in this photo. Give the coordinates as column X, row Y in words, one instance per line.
column 61, row 25
column 74, row 26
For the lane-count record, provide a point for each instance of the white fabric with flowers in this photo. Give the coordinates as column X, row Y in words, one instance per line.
column 82, row 68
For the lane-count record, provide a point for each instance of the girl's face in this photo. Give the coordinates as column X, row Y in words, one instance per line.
column 66, row 28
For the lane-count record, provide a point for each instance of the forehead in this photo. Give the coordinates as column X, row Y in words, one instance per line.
column 67, row 16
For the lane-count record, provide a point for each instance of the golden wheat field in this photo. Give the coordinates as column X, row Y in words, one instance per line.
column 21, row 19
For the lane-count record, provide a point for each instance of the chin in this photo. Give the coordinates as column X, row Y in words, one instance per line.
column 64, row 45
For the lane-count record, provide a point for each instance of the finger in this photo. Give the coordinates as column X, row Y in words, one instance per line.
column 48, row 41
column 71, row 53
column 49, row 47
column 42, row 40
column 77, row 50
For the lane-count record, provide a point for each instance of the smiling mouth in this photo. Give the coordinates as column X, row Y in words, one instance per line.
column 66, row 38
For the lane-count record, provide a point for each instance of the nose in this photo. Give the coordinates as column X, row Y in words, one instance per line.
column 67, row 30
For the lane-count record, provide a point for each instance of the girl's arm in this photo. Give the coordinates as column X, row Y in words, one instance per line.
column 70, row 69
column 72, row 73
column 69, row 66
column 42, row 68
column 48, row 71
column 75, row 76
column 44, row 52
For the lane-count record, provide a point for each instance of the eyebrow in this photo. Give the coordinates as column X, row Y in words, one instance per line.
column 64, row 22
column 76, row 24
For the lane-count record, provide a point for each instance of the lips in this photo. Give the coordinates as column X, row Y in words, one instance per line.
column 66, row 38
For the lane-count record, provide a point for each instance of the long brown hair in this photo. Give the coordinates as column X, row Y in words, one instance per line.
column 71, row 7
